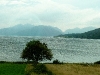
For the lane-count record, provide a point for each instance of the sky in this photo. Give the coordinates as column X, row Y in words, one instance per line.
column 64, row 14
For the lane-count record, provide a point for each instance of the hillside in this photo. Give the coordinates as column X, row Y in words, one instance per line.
column 93, row 34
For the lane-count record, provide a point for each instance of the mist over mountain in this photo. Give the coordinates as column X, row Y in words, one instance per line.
column 78, row 30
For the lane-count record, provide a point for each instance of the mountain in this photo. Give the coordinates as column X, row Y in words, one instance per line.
column 41, row 30
column 93, row 34
column 30, row 30
column 78, row 30
column 13, row 30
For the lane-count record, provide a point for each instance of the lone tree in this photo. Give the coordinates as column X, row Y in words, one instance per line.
column 36, row 51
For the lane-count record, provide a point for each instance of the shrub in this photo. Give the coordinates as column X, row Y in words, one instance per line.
column 57, row 62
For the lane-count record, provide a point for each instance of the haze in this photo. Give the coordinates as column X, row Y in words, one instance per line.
column 64, row 14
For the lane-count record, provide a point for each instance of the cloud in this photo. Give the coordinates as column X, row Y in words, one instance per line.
column 61, row 13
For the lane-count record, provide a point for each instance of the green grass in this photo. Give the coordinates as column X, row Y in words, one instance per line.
column 12, row 69
column 57, row 69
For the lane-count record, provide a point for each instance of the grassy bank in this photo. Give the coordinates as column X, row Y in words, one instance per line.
column 12, row 69
column 70, row 69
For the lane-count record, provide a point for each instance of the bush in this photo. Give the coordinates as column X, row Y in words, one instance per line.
column 57, row 62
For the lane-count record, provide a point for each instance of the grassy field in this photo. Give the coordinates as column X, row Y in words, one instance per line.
column 56, row 69
column 12, row 69
column 74, row 69
column 71, row 69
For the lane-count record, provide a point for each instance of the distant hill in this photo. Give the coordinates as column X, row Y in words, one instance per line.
column 93, row 34
column 78, row 30
column 41, row 31
column 31, row 30
column 13, row 30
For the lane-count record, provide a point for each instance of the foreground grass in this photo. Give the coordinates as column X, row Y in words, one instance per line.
column 74, row 69
column 70, row 69
column 57, row 69
column 12, row 69
column 39, row 69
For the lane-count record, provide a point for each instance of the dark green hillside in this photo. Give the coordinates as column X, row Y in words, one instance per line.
column 94, row 34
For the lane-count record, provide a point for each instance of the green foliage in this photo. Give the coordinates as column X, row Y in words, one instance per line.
column 36, row 51
column 12, row 69
column 57, row 62
column 41, row 69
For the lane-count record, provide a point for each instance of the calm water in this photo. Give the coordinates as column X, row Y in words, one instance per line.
column 64, row 49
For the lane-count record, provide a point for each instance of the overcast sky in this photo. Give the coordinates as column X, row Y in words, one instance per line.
column 63, row 14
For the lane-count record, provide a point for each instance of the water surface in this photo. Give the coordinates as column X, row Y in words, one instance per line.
column 63, row 49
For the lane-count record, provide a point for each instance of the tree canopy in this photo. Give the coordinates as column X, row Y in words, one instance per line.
column 36, row 51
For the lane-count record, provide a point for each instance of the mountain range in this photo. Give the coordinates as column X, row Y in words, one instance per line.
column 40, row 30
